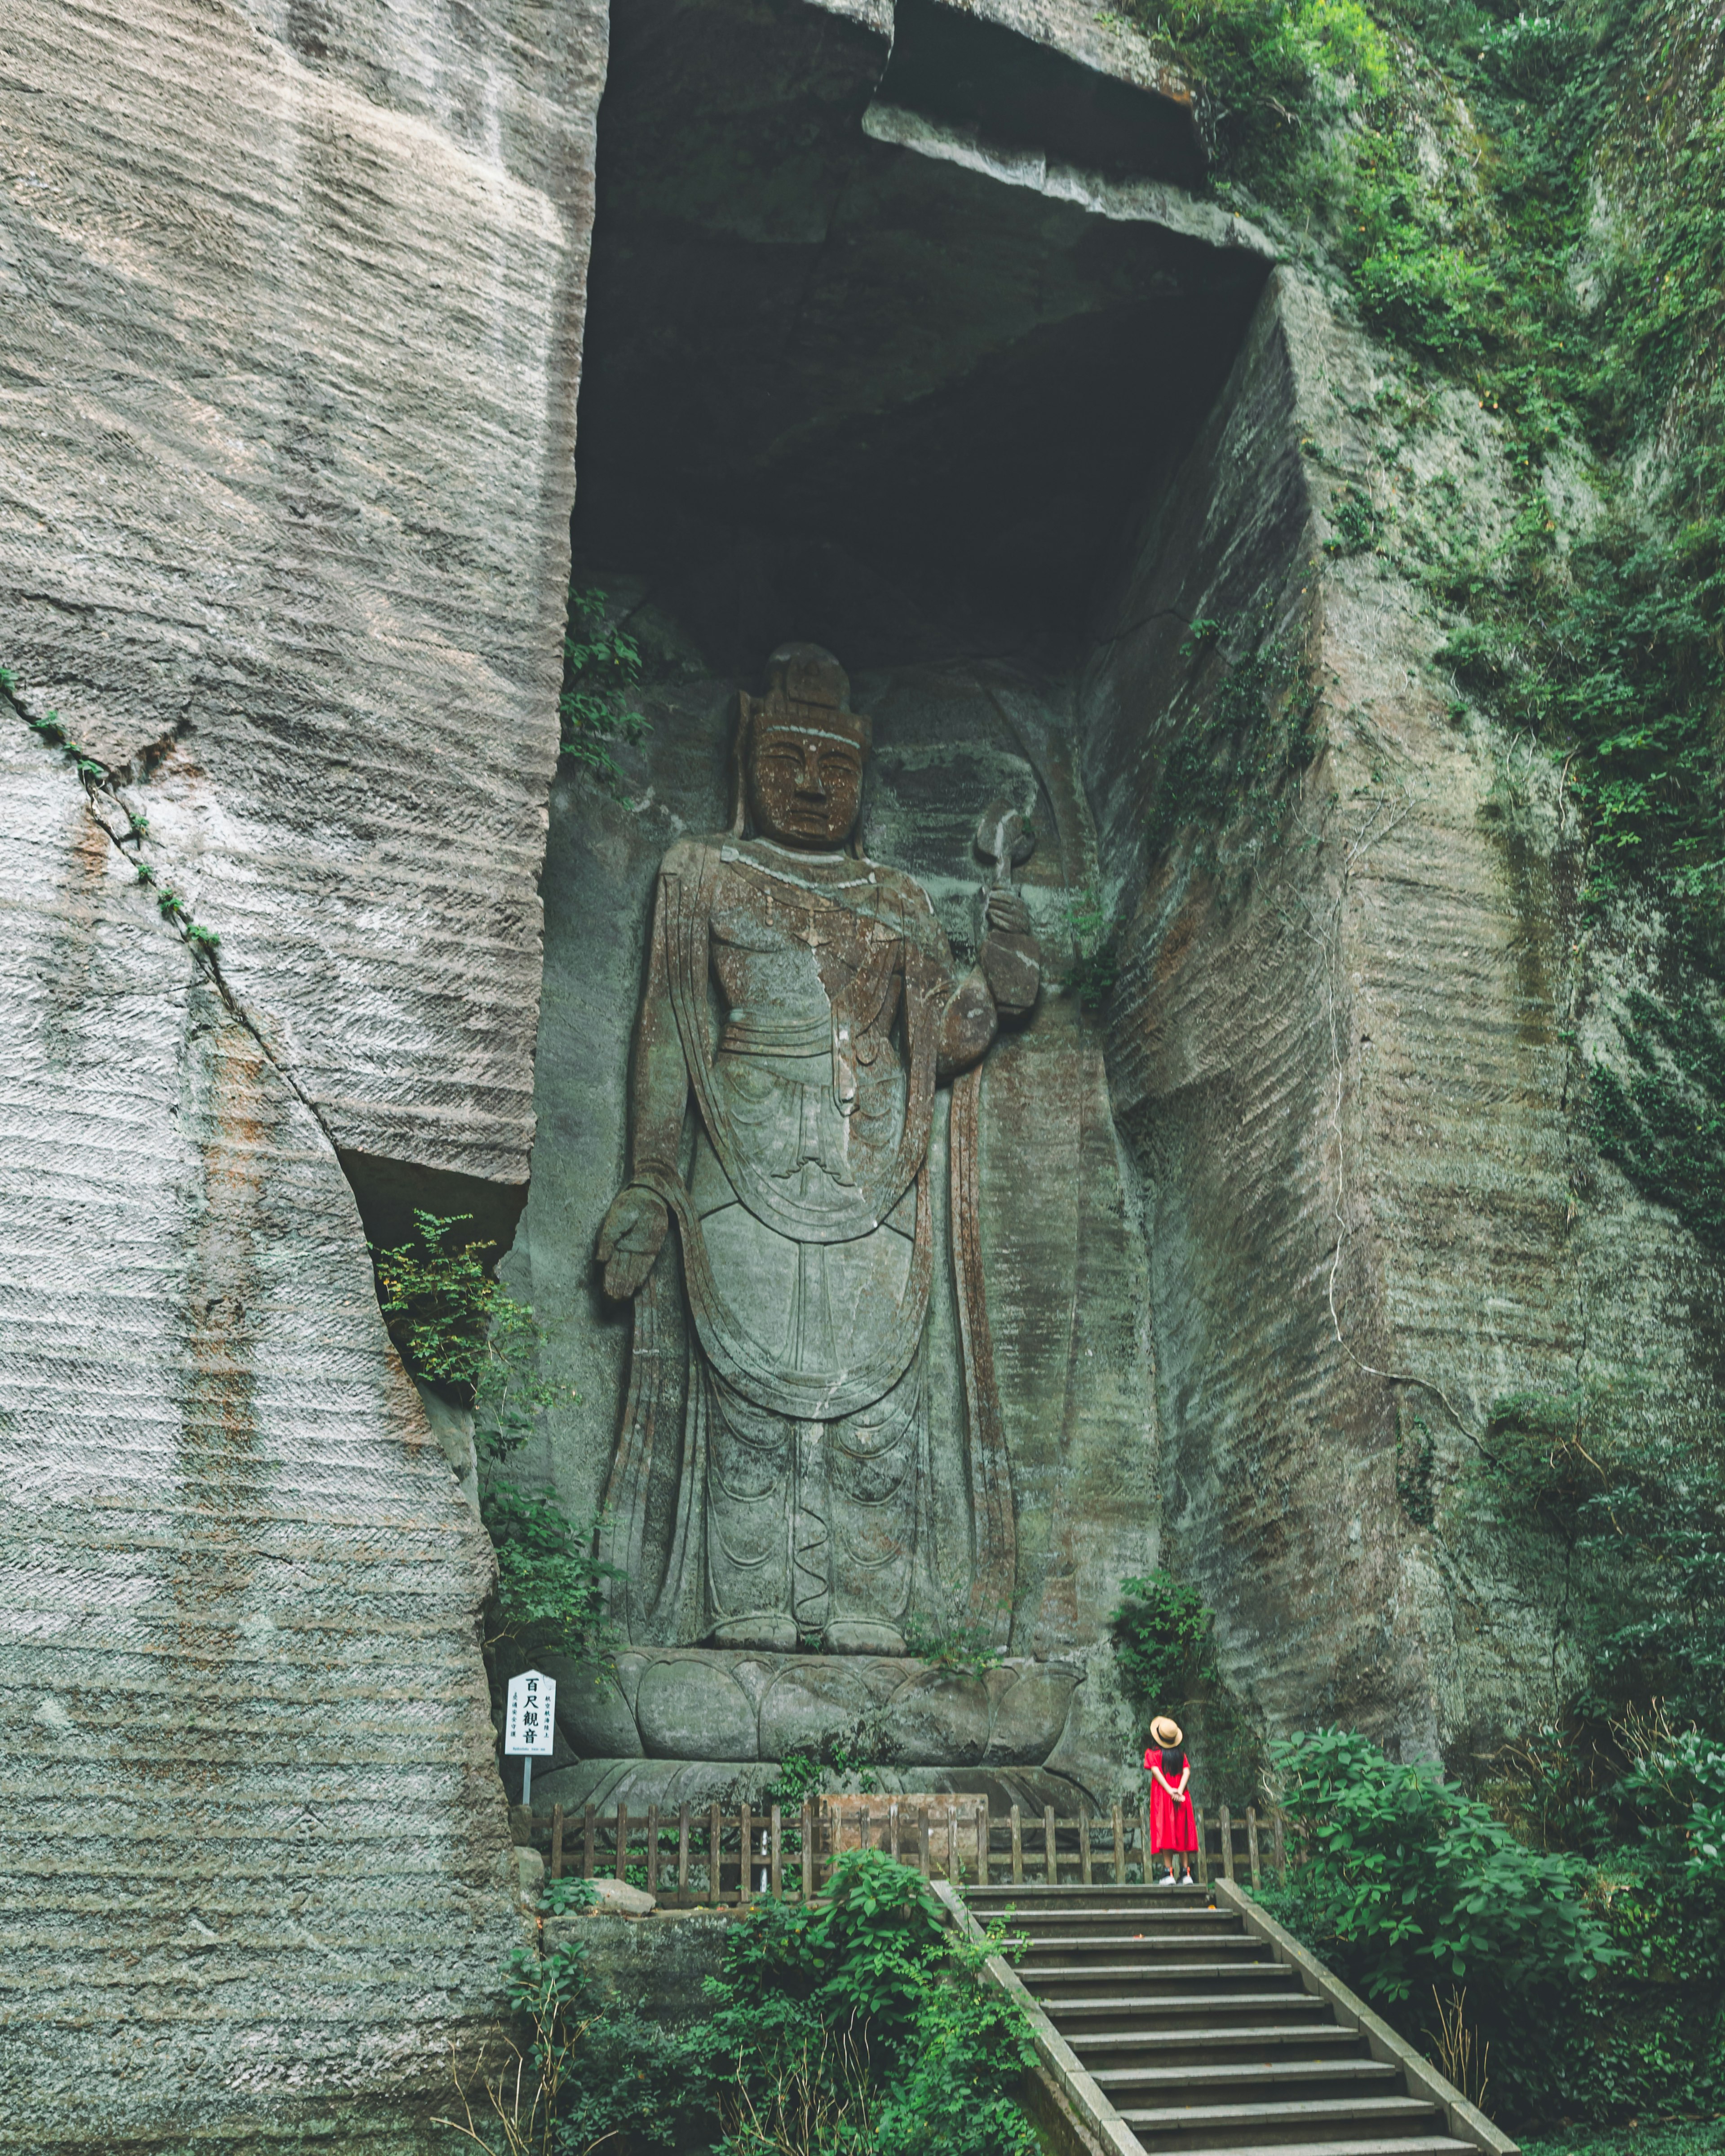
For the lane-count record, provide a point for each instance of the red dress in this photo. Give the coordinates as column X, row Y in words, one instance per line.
column 1172, row 1825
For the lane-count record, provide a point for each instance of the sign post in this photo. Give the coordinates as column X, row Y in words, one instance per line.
column 528, row 1727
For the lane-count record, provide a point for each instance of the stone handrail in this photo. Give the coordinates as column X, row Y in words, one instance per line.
column 1095, row 2116
column 1466, row 2121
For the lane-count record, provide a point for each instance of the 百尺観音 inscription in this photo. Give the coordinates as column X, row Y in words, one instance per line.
column 528, row 1728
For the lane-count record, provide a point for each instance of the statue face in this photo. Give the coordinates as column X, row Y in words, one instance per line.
column 804, row 788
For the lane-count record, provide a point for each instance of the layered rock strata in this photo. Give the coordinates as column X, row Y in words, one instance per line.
column 293, row 306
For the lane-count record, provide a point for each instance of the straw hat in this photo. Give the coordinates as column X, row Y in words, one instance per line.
column 1167, row 1732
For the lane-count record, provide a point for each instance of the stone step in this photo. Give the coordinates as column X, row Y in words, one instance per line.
column 1294, row 2038
column 1248, row 2074
column 1408, row 2144
column 1189, row 2125
column 1026, row 1891
column 1196, row 1917
column 1158, row 1971
column 1297, row 2005
column 1171, row 1946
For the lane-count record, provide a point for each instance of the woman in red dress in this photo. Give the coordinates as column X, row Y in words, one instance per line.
column 1174, row 1823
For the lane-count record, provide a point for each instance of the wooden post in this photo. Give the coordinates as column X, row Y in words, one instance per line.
column 1227, row 1825
column 1018, row 1848
column 922, row 1839
column 621, row 1836
column 1252, row 1842
column 715, row 1873
column 1280, row 1848
column 892, row 1829
column 773, row 1875
column 1084, row 1847
column 743, row 1826
column 587, row 1851
column 556, row 1841
column 1203, row 1852
column 682, row 1853
column 1048, row 1843
column 653, row 1849
column 1119, row 1848
column 1149, row 1866
column 984, row 1836
column 808, row 1817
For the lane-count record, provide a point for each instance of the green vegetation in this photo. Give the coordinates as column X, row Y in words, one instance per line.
column 1096, row 951
column 457, row 1328
column 1254, row 731
column 460, row 1330
column 1703, row 2137
column 95, row 778
column 1666, row 1127
column 856, row 2027
column 602, row 672
column 952, row 1640
column 1584, row 1976
column 1417, row 1883
column 1533, row 207
column 1163, row 1640
column 1624, row 1527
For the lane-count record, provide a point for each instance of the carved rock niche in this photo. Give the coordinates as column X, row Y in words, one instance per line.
column 875, row 375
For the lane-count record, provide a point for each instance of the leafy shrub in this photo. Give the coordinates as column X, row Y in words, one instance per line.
column 1417, row 1883
column 1161, row 1639
column 952, row 1640
column 601, row 671
column 457, row 1328
column 553, row 1588
column 875, row 1989
column 1162, row 1636
column 1677, row 1788
column 855, row 2028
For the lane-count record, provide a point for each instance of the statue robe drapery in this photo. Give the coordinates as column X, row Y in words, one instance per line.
column 805, row 1245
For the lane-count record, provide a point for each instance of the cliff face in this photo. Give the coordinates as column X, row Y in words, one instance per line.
column 1346, row 1051
column 910, row 335
column 292, row 306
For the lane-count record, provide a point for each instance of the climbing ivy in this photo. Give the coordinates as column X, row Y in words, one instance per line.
column 1667, row 1124
column 96, row 777
column 1625, row 1525
column 1253, row 732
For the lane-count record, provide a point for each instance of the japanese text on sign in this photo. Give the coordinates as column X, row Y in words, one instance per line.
column 527, row 1730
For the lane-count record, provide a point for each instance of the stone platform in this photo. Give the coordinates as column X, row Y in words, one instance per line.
column 605, row 1784
column 690, row 1725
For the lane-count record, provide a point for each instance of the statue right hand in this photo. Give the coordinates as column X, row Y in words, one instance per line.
column 629, row 1239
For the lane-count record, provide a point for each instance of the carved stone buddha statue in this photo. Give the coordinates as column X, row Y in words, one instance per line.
column 769, row 1489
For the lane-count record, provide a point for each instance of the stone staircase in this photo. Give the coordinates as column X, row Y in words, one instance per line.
column 1202, row 2034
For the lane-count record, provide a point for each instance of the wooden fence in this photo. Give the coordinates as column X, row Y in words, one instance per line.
column 700, row 1857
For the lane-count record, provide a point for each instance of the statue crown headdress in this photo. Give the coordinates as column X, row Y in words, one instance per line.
column 806, row 691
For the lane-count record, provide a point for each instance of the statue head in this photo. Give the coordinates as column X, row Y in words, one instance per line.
column 801, row 750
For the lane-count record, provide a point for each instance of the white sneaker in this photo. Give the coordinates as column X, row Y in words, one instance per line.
column 1186, row 1879
column 1168, row 1881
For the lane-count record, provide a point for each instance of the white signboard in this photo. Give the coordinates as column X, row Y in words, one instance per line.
column 527, row 1720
